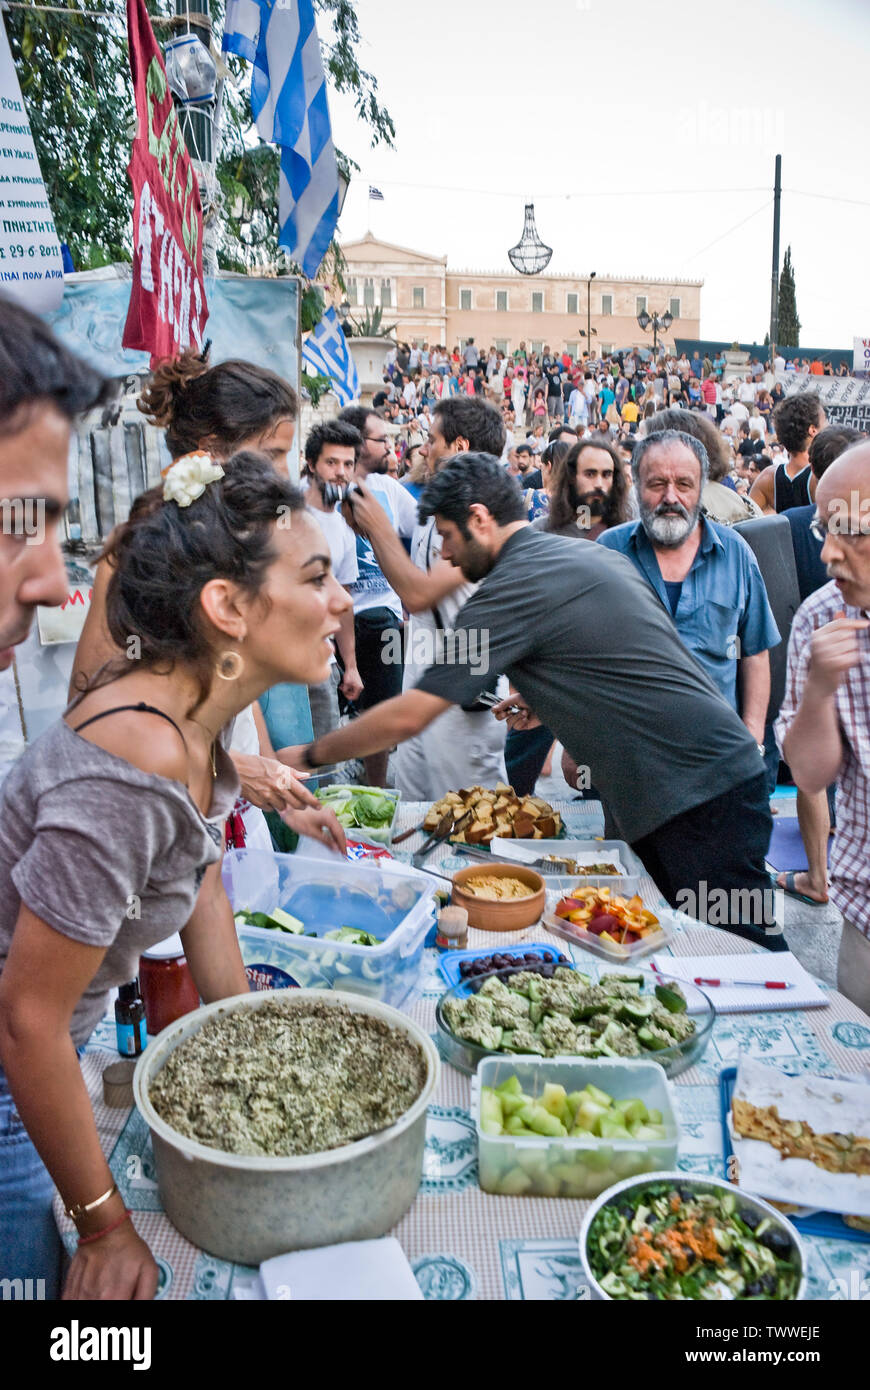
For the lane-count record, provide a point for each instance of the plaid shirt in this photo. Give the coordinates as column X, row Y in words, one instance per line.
column 850, row 855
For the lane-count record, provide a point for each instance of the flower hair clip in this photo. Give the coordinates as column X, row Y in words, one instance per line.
column 187, row 478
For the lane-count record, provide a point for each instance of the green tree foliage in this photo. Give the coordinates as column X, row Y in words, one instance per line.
column 75, row 77
column 789, row 325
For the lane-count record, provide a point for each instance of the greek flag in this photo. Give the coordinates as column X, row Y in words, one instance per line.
column 288, row 99
column 327, row 351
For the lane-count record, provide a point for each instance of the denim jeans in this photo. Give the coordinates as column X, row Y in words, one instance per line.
column 30, row 1247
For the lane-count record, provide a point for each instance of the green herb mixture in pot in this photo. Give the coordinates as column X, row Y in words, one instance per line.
column 288, row 1078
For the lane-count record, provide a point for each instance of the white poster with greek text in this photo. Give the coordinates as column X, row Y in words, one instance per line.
column 31, row 268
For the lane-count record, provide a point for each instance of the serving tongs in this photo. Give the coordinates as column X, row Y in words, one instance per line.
column 556, row 866
column 443, row 830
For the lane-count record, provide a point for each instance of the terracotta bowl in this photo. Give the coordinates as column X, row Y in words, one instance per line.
column 513, row 914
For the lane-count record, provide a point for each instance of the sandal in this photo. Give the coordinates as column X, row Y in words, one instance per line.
column 792, row 892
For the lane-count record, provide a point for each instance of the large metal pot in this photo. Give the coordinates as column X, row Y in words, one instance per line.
column 248, row 1209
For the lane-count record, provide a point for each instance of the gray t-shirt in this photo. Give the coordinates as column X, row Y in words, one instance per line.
column 590, row 647
column 86, row 835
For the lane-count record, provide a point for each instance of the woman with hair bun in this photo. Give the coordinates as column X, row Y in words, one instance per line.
column 113, row 820
column 218, row 411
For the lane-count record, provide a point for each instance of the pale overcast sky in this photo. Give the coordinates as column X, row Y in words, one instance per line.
column 644, row 131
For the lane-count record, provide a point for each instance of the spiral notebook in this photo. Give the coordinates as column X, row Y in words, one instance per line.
column 766, row 965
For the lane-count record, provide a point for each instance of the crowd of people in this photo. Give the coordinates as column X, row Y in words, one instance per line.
column 606, row 397
column 605, row 583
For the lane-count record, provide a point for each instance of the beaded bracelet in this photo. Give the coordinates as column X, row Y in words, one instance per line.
column 86, row 1240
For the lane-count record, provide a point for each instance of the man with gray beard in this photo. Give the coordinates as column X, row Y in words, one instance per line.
column 705, row 574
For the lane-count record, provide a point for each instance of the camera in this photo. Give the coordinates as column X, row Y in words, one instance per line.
column 334, row 493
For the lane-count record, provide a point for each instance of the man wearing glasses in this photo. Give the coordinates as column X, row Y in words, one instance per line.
column 377, row 608
column 824, row 723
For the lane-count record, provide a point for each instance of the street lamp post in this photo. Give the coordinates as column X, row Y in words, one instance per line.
column 658, row 322
column 589, row 308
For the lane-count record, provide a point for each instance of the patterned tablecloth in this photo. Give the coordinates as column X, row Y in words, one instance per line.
column 464, row 1243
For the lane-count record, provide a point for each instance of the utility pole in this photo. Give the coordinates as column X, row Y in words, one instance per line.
column 774, row 280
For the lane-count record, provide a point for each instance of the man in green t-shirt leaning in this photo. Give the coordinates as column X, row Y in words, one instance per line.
column 592, row 651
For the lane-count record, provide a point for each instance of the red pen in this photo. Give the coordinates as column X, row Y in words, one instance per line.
column 750, row 984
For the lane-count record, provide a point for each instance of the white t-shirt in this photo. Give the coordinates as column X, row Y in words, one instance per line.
column 738, row 411
column 370, row 589
column 746, row 392
column 779, row 364
column 342, row 544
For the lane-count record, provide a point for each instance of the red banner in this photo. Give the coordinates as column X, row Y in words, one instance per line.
column 168, row 310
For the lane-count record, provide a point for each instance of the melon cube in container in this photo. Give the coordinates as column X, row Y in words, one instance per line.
column 583, row 1166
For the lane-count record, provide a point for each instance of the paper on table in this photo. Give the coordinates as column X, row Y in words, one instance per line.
column 365, row 1270
column 829, row 1106
column 765, row 965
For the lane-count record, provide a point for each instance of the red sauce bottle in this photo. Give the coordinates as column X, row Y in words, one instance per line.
column 166, row 984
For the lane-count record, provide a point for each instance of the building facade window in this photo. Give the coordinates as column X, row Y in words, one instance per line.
column 537, row 301
column 369, row 294
column 352, row 292
column 573, row 350
column 607, row 349
column 501, row 301
column 675, row 308
column 606, row 305
column 419, row 297
column 640, row 304
column 573, row 304
column 501, row 345
column 465, row 299
column 537, row 348
column 386, row 294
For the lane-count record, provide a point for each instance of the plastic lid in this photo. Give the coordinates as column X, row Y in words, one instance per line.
column 166, row 950
column 127, row 993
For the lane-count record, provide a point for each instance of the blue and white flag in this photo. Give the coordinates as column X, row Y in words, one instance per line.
column 375, row 194
column 288, row 99
column 327, row 351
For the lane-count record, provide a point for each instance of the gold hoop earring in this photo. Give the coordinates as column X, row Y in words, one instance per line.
column 230, row 666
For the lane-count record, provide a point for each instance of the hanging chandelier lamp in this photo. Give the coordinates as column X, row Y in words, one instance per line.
column 530, row 256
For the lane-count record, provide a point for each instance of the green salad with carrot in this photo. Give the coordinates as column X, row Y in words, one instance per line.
column 666, row 1242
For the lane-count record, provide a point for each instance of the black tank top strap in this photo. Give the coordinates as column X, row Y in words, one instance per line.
column 120, row 709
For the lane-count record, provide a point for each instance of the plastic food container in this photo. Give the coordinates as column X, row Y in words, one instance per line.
column 451, row 961
column 273, row 962
column 395, row 905
column 606, row 950
column 697, row 1184
column 467, row 1056
column 581, row 1167
column 373, row 835
column 565, row 848
column 248, row 1209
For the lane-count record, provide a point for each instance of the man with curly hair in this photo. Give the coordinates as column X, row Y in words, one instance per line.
column 796, row 420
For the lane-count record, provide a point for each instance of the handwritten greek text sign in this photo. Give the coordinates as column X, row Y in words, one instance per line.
column 31, row 269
